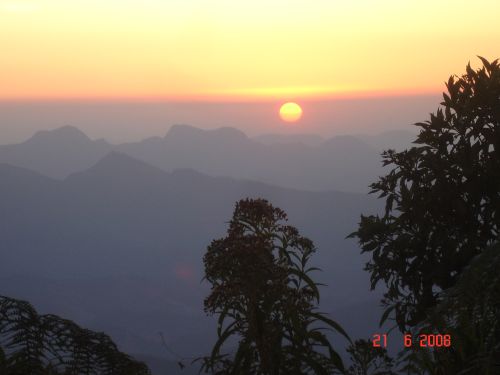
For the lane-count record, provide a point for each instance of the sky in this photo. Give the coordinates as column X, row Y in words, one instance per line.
column 227, row 51
column 199, row 48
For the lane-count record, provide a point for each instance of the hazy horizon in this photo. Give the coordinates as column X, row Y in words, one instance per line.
column 124, row 121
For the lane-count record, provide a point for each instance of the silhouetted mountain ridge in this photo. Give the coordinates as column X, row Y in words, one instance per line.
column 65, row 133
column 117, row 167
column 344, row 163
column 312, row 140
column 55, row 153
column 189, row 132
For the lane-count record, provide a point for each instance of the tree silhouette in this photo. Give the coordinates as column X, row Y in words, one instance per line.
column 266, row 301
column 442, row 199
column 49, row 345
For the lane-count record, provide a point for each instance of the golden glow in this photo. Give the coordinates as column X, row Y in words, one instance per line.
column 290, row 112
column 284, row 49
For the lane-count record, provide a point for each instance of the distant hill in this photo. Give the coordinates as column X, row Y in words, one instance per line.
column 391, row 139
column 118, row 247
column 312, row 140
column 305, row 162
column 56, row 153
column 333, row 165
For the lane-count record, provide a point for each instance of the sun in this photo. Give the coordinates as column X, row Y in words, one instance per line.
column 290, row 112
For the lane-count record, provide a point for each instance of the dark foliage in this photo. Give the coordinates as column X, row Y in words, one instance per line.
column 442, row 199
column 369, row 360
column 49, row 345
column 470, row 313
column 265, row 299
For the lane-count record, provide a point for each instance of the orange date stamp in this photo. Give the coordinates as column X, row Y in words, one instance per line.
column 422, row 340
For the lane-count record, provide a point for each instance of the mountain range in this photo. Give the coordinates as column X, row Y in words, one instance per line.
column 306, row 162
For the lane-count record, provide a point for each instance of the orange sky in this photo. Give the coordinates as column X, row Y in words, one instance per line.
column 220, row 49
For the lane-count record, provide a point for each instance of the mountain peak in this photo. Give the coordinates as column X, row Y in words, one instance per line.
column 188, row 131
column 230, row 132
column 118, row 166
column 117, row 160
column 270, row 139
column 183, row 130
column 66, row 133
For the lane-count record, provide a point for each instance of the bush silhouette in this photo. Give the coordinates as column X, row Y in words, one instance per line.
column 266, row 301
column 49, row 345
column 369, row 360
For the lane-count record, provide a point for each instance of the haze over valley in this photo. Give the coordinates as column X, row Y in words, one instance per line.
column 113, row 236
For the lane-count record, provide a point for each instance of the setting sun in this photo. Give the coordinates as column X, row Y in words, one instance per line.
column 290, row 112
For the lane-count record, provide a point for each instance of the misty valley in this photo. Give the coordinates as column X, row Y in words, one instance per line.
column 116, row 244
